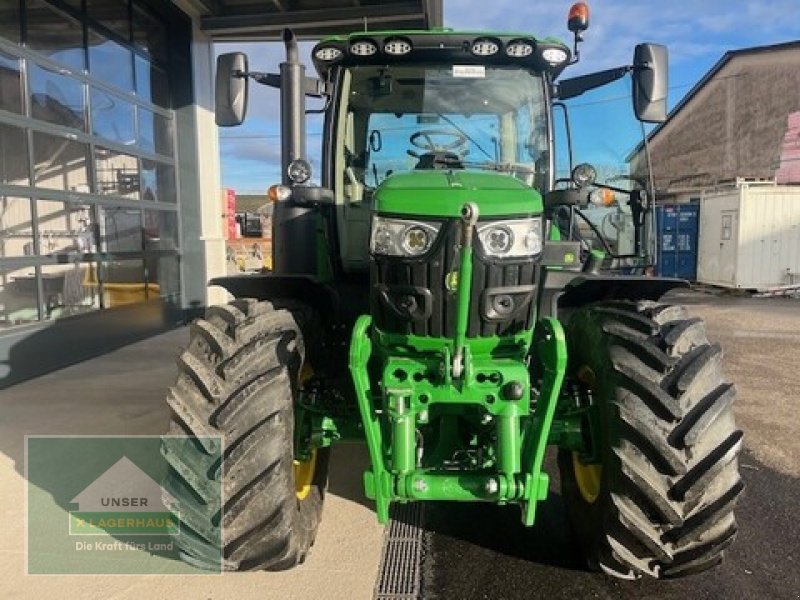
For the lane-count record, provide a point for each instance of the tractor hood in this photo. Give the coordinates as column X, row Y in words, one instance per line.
column 443, row 193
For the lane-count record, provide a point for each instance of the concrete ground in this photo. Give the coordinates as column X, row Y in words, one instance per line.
column 122, row 394
column 761, row 341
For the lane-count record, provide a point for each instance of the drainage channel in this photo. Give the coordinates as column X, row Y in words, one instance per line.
column 399, row 576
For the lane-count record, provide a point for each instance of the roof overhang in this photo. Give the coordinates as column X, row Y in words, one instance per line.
column 246, row 20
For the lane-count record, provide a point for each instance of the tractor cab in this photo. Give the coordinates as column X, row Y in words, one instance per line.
column 406, row 105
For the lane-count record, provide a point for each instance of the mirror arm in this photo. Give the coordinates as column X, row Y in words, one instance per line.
column 316, row 88
column 325, row 107
column 269, row 79
column 570, row 88
column 313, row 87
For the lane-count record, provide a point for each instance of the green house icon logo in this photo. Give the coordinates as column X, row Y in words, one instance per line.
column 123, row 500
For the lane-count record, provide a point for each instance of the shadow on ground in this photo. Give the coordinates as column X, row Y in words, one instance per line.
column 345, row 479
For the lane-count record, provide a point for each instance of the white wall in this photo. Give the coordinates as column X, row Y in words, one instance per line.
column 208, row 174
column 201, row 208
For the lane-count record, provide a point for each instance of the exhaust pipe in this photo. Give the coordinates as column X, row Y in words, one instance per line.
column 294, row 228
column 293, row 105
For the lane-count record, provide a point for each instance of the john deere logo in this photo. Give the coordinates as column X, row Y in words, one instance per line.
column 123, row 500
column 451, row 281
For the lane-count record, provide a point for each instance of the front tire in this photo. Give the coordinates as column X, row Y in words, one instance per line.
column 237, row 380
column 660, row 503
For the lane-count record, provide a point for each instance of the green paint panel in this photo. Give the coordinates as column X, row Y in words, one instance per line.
column 443, row 193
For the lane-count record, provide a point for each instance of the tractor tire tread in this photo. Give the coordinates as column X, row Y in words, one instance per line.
column 666, row 504
column 236, row 382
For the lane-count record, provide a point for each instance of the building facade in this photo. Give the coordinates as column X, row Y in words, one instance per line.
column 109, row 170
column 741, row 122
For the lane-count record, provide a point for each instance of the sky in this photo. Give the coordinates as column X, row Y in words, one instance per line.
column 697, row 33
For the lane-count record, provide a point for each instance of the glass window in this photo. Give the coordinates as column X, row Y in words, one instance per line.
column 121, row 229
column 160, row 230
column 112, row 118
column 158, row 182
column 19, row 298
column 110, row 62
column 16, row 227
column 13, row 155
column 163, row 276
column 155, row 132
column 124, row 283
column 117, row 173
column 60, row 163
column 9, row 20
column 151, row 82
column 149, row 34
column 56, row 98
column 65, row 228
column 69, row 289
column 113, row 14
column 161, row 237
column 10, row 83
column 53, row 33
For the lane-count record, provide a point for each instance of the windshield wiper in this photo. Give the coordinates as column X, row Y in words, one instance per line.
column 500, row 167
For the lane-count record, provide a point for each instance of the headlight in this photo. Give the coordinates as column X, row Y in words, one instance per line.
column 485, row 47
column 554, row 56
column 519, row 49
column 511, row 239
column 363, row 48
column 299, row 170
column 397, row 46
column 328, row 53
column 584, row 174
column 398, row 237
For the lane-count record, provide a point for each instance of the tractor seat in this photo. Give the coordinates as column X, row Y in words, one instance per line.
column 439, row 160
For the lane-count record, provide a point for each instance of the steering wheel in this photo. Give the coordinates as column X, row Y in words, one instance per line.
column 424, row 141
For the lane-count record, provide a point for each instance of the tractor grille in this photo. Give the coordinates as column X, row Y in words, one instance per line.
column 409, row 296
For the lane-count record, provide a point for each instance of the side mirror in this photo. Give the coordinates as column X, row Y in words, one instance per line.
column 650, row 83
column 231, row 89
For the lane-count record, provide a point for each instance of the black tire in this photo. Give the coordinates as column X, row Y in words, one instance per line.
column 667, row 441
column 237, row 379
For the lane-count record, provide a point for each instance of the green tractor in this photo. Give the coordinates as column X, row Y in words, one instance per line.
column 445, row 296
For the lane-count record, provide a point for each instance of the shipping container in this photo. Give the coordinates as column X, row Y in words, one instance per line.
column 677, row 228
column 750, row 237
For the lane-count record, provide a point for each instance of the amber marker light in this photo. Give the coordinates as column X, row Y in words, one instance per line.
column 578, row 19
column 278, row 193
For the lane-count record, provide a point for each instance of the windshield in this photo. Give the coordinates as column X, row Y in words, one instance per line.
column 402, row 118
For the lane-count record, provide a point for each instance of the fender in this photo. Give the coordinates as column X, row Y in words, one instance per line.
column 571, row 289
column 586, row 288
column 269, row 286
